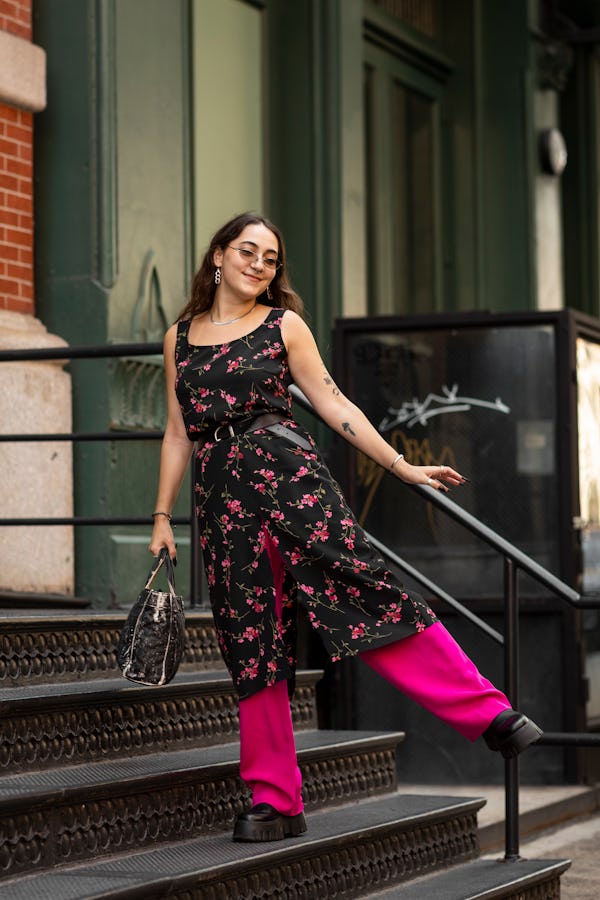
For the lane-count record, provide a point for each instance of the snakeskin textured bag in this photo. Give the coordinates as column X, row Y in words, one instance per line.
column 153, row 639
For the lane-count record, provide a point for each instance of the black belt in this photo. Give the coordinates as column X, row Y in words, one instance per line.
column 272, row 421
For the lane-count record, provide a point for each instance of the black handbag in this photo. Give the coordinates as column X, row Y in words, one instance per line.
column 153, row 639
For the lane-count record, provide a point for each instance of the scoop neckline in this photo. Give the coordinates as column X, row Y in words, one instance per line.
column 233, row 340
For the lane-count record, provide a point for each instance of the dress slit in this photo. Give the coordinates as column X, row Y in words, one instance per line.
column 277, row 568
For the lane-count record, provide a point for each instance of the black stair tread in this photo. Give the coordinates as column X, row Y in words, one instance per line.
column 15, row 619
column 32, row 600
column 109, row 688
column 482, row 879
column 173, row 866
column 44, row 786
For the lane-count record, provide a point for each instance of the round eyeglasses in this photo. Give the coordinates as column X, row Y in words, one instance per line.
column 269, row 262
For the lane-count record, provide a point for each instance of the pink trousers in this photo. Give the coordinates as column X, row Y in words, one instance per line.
column 429, row 667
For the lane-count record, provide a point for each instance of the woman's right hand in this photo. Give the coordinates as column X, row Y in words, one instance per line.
column 162, row 536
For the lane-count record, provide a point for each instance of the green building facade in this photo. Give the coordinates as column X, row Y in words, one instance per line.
column 412, row 151
column 397, row 144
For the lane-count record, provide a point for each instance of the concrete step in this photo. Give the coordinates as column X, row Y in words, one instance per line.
column 49, row 725
column 66, row 646
column 347, row 852
column 522, row 879
column 64, row 815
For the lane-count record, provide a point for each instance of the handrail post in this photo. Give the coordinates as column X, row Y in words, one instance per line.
column 511, row 676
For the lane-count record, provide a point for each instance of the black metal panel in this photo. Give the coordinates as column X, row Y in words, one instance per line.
column 495, row 394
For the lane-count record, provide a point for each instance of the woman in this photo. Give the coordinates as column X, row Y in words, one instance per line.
column 275, row 528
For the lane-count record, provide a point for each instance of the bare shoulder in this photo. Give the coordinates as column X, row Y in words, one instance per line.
column 294, row 328
column 169, row 342
column 171, row 336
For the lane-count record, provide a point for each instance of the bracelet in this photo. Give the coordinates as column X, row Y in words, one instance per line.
column 168, row 515
column 398, row 458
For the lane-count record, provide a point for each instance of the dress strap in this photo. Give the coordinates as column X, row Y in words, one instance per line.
column 275, row 316
column 183, row 326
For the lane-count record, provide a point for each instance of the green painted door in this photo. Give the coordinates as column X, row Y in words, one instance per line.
column 403, row 185
column 228, row 117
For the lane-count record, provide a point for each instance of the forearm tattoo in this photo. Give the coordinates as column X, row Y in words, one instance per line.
column 329, row 381
column 336, row 392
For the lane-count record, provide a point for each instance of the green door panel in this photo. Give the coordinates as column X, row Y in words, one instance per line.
column 151, row 85
column 228, row 113
column 403, row 185
column 151, row 134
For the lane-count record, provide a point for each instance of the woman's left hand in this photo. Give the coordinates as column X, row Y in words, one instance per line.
column 433, row 476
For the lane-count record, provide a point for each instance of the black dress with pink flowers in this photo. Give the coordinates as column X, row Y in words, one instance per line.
column 274, row 525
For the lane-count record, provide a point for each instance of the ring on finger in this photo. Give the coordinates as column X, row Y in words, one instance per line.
column 442, row 469
column 430, row 481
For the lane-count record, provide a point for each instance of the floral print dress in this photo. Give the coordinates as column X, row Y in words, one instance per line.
column 274, row 525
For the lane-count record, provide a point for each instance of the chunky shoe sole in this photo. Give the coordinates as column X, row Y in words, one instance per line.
column 518, row 737
column 275, row 830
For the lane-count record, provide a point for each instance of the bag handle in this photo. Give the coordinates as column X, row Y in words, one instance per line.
column 163, row 557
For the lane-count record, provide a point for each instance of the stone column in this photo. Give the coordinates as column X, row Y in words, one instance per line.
column 36, row 476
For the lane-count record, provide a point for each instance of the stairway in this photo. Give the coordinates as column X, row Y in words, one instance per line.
column 108, row 789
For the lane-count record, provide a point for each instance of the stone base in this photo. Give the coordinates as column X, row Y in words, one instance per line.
column 37, row 476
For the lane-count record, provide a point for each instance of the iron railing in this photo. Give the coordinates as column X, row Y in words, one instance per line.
column 95, row 352
column 514, row 562
column 514, row 559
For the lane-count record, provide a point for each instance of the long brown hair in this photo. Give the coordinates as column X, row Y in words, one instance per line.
column 203, row 289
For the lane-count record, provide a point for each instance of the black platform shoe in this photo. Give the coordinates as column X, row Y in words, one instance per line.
column 264, row 823
column 511, row 732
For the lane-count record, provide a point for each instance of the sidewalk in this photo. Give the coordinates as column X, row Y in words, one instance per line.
column 556, row 822
column 579, row 842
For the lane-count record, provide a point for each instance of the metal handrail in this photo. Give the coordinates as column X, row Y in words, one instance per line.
column 508, row 550
column 87, row 352
column 514, row 559
column 487, row 534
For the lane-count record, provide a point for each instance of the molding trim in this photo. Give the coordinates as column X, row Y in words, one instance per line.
column 106, row 262
column 405, row 43
column 22, row 73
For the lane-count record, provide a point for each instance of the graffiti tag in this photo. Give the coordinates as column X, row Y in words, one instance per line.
column 414, row 411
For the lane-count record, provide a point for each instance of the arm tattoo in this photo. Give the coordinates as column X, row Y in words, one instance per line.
column 328, row 380
column 348, row 429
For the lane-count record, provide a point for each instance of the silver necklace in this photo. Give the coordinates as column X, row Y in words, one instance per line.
column 235, row 318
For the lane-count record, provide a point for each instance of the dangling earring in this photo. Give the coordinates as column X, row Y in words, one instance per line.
column 217, row 276
column 269, row 294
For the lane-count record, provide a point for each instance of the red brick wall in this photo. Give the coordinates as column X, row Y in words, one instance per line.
column 16, row 182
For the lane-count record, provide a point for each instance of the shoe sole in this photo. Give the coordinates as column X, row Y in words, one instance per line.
column 284, row 826
column 515, row 742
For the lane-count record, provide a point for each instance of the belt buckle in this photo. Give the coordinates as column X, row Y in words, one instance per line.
column 216, row 437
